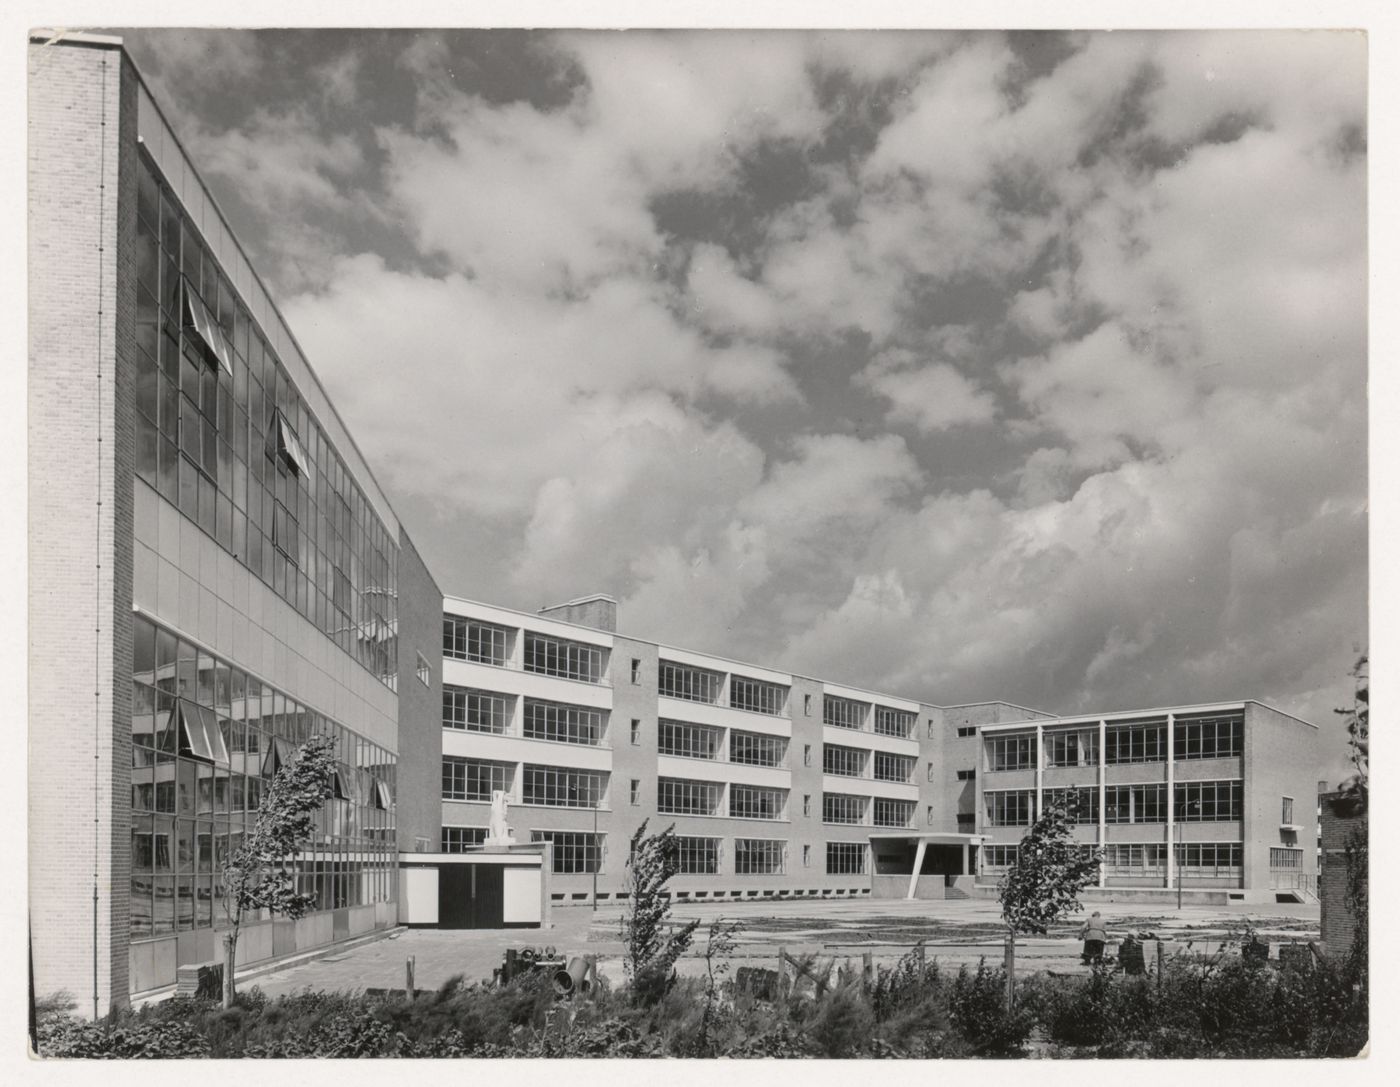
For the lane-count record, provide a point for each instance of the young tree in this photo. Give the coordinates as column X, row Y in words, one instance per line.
column 1044, row 883
column 651, row 945
column 258, row 874
column 1353, row 801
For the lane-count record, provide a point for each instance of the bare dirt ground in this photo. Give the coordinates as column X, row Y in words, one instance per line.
column 953, row 933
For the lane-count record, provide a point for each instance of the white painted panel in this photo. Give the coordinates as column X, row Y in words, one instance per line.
column 834, row 783
column 703, row 713
column 858, row 695
column 508, row 617
column 869, row 741
column 721, row 664
column 485, row 745
column 522, row 895
column 669, row 766
column 418, row 896
column 489, row 677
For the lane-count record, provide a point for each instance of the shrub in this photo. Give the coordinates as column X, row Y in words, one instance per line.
column 978, row 1012
column 843, row 1022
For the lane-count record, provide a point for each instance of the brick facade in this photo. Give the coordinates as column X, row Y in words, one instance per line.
column 1339, row 821
column 82, row 117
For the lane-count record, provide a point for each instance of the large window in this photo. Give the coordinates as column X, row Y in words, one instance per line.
column 1216, row 737
column 893, row 813
column 690, row 684
column 752, row 802
column 1082, row 803
column 1076, row 748
column 893, row 767
column 574, row 851
column 843, row 761
column 1283, row 857
column 1142, row 742
column 1135, row 803
column 845, row 858
column 563, row 723
column 1010, row 807
column 843, row 712
column 563, row 787
column 1135, row 859
column 469, row 640
column 679, row 796
column 567, row 660
column 474, row 779
column 890, row 722
column 200, row 767
column 759, row 856
column 1204, row 859
column 461, row 839
column 756, row 696
column 687, row 740
column 697, row 856
column 475, row 711
column 756, row 749
column 1209, row 801
column 223, row 434
column 843, row 808
column 1011, row 752
column 998, row 857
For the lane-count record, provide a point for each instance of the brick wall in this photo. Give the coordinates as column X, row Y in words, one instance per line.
column 419, row 800
column 82, row 127
column 1338, row 923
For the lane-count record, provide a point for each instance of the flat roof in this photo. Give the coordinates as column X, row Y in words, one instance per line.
column 1158, row 711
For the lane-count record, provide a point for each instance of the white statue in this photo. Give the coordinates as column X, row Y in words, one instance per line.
column 498, row 831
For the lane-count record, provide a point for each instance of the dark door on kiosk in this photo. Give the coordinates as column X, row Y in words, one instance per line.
column 471, row 896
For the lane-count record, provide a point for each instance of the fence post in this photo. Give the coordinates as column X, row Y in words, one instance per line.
column 782, row 972
column 1010, row 967
column 867, row 966
column 1161, row 961
column 408, row 970
column 919, row 948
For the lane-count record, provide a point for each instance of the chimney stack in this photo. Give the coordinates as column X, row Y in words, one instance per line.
column 598, row 611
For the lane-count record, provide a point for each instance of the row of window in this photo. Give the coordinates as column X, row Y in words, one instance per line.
column 1213, row 737
column 551, row 786
column 206, row 738
column 1144, row 858
column 486, row 643
column 578, row 852
column 222, row 434
column 1195, row 802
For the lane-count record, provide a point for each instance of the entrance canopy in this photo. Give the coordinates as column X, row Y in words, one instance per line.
column 940, row 841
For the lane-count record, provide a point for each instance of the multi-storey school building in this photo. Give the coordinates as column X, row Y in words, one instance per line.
column 783, row 785
column 214, row 572
column 1206, row 797
column 215, row 575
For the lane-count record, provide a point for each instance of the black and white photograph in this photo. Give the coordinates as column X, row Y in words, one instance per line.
column 607, row 539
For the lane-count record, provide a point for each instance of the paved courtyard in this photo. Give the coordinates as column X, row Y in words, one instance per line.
column 952, row 932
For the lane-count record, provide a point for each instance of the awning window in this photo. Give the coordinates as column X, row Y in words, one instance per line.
column 200, row 736
column 381, row 796
column 279, row 753
column 198, row 317
column 289, row 447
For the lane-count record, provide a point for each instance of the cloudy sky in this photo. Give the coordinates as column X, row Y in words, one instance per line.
column 962, row 366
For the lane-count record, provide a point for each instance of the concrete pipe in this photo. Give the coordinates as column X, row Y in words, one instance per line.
column 575, row 979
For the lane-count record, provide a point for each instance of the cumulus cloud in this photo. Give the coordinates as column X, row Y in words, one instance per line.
column 962, row 372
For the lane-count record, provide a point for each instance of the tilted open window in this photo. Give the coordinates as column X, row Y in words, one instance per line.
column 198, row 317
column 288, row 447
column 200, row 737
column 279, row 753
column 380, row 795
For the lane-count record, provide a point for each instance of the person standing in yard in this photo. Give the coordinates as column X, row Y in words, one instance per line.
column 1095, row 935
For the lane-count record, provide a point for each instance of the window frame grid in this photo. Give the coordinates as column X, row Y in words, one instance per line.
column 757, row 748
column 697, row 855
column 837, row 806
column 687, row 796
column 745, row 852
column 898, row 768
column 462, row 775
column 892, row 722
column 889, row 805
column 1131, row 743
column 562, row 658
column 846, row 858
column 839, row 760
column 1013, row 752
column 562, row 787
column 687, row 740
column 847, row 713
column 756, row 802
column 563, row 723
column 1004, row 807
column 1218, row 736
column 688, row 683
column 757, row 696
column 462, row 704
